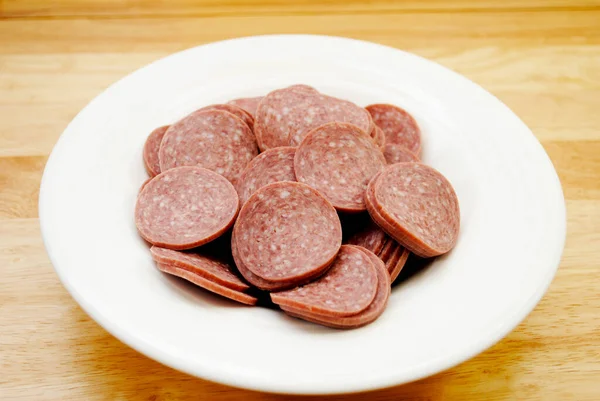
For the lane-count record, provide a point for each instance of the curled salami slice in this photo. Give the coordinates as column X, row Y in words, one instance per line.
column 151, row 148
column 420, row 206
column 286, row 115
column 346, row 289
column 207, row 284
column 286, row 231
column 378, row 136
column 371, row 237
column 338, row 160
column 213, row 139
column 185, row 207
column 398, row 126
column 233, row 109
column 369, row 315
column 208, row 267
column 395, row 153
column 271, row 166
column 250, row 104
column 399, row 264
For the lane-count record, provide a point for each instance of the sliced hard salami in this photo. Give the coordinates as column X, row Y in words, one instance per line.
column 208, row 267
column 213, row 139
column 233, row 109
column 398, row 126
column 378, row 136
column 185, row 207
column 371, row 237
column 417, row 206
column 399, row 264
column 348, row 288
column 250, row 104
column 286, row 115
column 271, row 166
column 369, row 315
column 209, row 285
column 395, row 153
column 287, row 231
column 338, row 160
column 151, row 148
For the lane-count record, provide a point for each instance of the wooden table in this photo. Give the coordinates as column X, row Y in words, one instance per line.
column 542, row 58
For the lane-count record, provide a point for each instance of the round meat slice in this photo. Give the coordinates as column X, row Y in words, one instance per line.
column 209, row 285
column 185, row 207
column 213, row 139
column 372, row 238
column 379, row 137
column 395, row 153
column 151, row 148
column 273, row 165
column 421, row 205
column 398, row 126
column 338, row 160
column 369, row 315
column 285, row 116
column 235, row 110
column 267, row 285
column 208, row 267
column 250, row 104
column 348, row 288
column 287, row 231
column 399, row 265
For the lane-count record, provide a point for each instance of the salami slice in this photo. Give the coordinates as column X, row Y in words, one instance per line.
column 185, row 207
column 378, row 136
column 286, row 231
column 250, row 104
column 213, row 139
column 420, row 206
column 151, row 148
column 399, row 264
column 271, row 166
column 348, row 288
column 369, row 315
column 372, row 238
column 233, row 109
column 338, row 160
column 395, row 153
column 209, row 285
column 285, row 116
column 208, row 267
column 398, row 126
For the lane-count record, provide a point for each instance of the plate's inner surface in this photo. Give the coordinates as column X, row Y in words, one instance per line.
column 510, row 241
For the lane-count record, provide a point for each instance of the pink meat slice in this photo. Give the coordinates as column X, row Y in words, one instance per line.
column 151, row 148
column 369, row 315
column 213, row 139
column 371, row 237
column 287, row 231
column 271, row 166
column 398, row 126
column 203, row 265
column 233, row 109
column 395, row 153
column 286, row 115
column 207, row 284
column 338, row 160
column 399, row 265
column 185, row 207
column 419, row 204
column 347, row 288
column 250, row 104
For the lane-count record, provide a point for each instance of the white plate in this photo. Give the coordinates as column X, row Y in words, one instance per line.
column 511, row 240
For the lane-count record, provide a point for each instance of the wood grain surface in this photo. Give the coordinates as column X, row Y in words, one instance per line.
column 542, row 58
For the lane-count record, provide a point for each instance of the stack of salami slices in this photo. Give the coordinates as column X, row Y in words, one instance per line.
column 246, row 199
